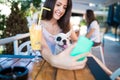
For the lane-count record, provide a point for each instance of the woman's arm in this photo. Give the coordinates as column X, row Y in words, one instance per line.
column 73, row 36
column 45, row 51
column 89, row 34
column 62, row 60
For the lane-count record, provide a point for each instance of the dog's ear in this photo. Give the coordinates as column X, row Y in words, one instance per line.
column 69, row 33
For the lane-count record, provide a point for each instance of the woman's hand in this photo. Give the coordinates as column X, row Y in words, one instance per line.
column 65, row 61
column 62, row 60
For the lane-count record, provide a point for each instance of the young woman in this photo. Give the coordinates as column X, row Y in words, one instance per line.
column 93, row 29
column 54, row 22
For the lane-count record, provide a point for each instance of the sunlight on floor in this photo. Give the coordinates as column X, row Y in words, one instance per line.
column 111, row 38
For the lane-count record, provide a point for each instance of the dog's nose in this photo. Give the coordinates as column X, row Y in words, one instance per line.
column 64, row 41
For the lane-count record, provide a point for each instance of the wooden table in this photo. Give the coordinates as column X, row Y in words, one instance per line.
column 43, row 71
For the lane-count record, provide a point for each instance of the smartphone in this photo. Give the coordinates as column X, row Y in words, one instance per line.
column 83, row 45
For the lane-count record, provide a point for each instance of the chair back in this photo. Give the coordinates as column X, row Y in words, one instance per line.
column 23, row 45
column 115, row 74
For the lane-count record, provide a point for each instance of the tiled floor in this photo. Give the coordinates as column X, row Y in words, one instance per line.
column 111, row 52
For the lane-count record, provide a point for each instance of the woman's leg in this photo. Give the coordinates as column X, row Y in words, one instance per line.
column 108, row 71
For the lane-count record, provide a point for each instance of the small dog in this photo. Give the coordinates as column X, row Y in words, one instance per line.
column 62, row 41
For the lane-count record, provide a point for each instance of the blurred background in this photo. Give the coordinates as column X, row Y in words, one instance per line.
column 15, row 15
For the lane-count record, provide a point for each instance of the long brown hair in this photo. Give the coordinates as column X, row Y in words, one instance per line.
column 90, row 16
column 64, row 21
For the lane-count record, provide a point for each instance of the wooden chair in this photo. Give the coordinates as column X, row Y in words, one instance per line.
column 115, row 74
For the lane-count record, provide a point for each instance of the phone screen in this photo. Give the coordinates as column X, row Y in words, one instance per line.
column 83, row 45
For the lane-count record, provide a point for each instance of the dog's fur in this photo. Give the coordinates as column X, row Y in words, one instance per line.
column 62, row 41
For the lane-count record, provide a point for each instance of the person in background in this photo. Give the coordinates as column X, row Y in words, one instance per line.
column 93, row 28
column 93, row 33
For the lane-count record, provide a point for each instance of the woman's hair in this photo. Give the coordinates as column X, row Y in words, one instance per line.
column 90, row 16
column 64, row 21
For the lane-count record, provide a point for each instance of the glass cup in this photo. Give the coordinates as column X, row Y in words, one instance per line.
column 35, row 38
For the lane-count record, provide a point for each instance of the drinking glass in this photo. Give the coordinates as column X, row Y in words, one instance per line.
column 35, row 38
column 36, row 33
